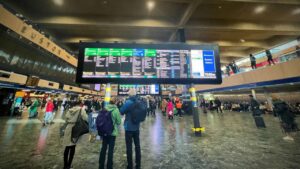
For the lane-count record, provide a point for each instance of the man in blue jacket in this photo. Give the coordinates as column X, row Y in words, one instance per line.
column 131, row 131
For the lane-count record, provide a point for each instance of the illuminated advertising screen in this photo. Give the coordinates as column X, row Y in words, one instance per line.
column 153, row 89
column 148, row 63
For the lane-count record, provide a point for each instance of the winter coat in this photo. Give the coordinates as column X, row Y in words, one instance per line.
column 164, row 105
column 71, row 118
column 126, row 109
column 115, row 116
column 34, row 106
column 50, row 106
column 170, row 107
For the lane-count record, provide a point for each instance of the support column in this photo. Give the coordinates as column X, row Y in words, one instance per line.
column 107, row 94
column 197, row 129
column 269, row 99
column 253, row 93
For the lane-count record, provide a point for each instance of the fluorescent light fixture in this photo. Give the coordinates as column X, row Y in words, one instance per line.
column 259, row 9
column 296, row 11
column 150, row 5
column 58, row 2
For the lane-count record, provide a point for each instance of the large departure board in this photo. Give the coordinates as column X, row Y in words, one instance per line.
column 148, row 63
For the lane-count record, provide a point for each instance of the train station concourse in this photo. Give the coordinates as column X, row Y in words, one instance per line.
column 150, row 84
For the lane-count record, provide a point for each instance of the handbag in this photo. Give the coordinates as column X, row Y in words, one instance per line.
column 80, row 128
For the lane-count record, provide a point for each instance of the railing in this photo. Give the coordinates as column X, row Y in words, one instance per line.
column 281, row 59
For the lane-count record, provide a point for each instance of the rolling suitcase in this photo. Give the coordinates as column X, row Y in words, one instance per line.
column 259, row 121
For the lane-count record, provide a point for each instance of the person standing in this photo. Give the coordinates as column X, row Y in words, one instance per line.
column 164, row 106
column 179, row 107
column 287, row 118
column 132, row 129
column 49, row 112
column 270, row 57
column 253, row 61
column 170, row 109
column 71, row 118
column 33, row 108
column 228, row 69
column 254, row 106
column 218, row 105
column 109, row 140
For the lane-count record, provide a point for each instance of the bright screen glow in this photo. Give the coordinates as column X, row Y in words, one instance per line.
column 140, row 89
column 148, row 63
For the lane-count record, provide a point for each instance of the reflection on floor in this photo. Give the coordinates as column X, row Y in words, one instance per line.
column 231, row 141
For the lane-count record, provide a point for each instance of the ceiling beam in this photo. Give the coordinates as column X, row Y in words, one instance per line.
column 276, row 28
column 272, row 28
column 71, row 22
column 254, row 44
column 237, row 54
column 123, row 40
column 185, row 17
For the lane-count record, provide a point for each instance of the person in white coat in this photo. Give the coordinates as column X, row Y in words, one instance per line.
column 71, row 118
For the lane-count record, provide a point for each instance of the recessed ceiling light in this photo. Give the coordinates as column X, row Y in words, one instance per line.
column 58, row 2
column 150, row 5
column 296, row 11
column 220, row 7
column 259, row 9
column 242, row 40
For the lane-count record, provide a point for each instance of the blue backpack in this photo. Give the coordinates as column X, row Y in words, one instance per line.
column 104, row 123
column 138, row 110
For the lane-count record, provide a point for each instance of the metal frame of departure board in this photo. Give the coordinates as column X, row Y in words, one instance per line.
column 166, row 46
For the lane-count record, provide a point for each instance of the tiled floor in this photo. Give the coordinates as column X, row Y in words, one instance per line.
column 231, row 141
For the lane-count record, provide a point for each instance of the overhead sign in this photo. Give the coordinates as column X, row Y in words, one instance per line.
column 148, row 63
column 20, row 27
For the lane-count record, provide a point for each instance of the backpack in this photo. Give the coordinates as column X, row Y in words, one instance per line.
column 138, row 110
column 104, row 123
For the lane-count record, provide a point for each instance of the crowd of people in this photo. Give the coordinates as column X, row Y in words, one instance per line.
column 111, row 111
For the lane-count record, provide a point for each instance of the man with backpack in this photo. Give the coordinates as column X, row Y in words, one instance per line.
column 107, row 126
column 135, row 110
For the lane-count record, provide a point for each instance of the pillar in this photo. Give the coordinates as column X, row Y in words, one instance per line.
column 253, row 93
column 197, row 129
column 107, row 94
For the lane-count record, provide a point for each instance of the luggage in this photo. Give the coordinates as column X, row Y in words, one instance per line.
column 104, row 123
column 259, row 121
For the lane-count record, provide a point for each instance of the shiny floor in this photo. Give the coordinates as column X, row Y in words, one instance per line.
column 231, row 141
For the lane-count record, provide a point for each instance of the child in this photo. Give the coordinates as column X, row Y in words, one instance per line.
column 170, row 109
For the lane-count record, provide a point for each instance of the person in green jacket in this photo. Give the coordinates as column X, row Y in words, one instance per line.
column 110, row 140
column 33, row 108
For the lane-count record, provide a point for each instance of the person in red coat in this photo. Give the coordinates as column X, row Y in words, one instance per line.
column 49, row 111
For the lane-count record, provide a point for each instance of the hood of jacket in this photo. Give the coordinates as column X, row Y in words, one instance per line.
column 111, row 107
column 74, row 110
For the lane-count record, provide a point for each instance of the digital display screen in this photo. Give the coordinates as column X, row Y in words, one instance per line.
column 152, row 89
column 124, row 63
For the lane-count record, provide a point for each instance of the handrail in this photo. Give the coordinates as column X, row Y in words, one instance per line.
column 248, row 70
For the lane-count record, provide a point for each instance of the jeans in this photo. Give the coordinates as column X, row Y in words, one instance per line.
column 48, row 117
column 107, row 141
column 135, row 136
column 219, row 108
column 92, row 122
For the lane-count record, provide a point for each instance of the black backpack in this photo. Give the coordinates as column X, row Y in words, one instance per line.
column 138, row 110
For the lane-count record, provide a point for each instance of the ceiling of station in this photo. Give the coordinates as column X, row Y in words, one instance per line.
column 240, row 27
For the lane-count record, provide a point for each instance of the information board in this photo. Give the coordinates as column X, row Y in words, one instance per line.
column 153, row 89
column 148, row 63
